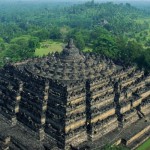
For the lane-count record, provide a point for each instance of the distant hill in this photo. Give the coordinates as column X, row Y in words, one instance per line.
column 104, row 27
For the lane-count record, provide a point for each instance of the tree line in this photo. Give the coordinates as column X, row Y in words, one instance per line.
column 107, row 28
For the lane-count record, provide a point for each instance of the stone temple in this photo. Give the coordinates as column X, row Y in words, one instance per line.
column 73, row 100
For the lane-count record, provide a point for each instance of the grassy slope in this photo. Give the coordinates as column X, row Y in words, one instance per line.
column 53, row 46
column 141, row 34
column 141, row 20
column 145, row 146
column 50, row 46
column 87, row 49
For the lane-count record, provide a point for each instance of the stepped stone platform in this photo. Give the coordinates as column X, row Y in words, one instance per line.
column 131, row 136
column 17, row 137
column 67, row 99
column 21, row 138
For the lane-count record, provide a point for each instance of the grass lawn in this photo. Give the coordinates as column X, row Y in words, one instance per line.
column 145, row 145
column 87, row 49
column 141, row 20
column 49, row 46
column 143, row 35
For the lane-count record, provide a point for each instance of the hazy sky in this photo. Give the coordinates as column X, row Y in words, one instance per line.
column 80, row 0
column 75, row 1
column 86, row 0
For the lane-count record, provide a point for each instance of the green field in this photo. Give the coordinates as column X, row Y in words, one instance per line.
column 87, row 49
column 145, row 145
column 141, row 20
column 144, row 35
column 49, row 47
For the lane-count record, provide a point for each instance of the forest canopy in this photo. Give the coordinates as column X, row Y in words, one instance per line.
column 119, row 31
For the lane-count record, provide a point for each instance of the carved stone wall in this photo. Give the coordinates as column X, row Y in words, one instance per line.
column 73, row 97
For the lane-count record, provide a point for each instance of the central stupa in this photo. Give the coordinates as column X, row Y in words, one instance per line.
column 71, row 65
column 71, row 53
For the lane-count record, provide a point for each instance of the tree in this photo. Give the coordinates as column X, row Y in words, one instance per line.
column 147, row 44
column 42, row 34
column 131, row 52
column 2, row 44
column 104, row 43
column 34, row 43
column 55, row 33
column 80, row 43
column 144, row 60
column 22, row 47
column 128, row 5
column 13, row 52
